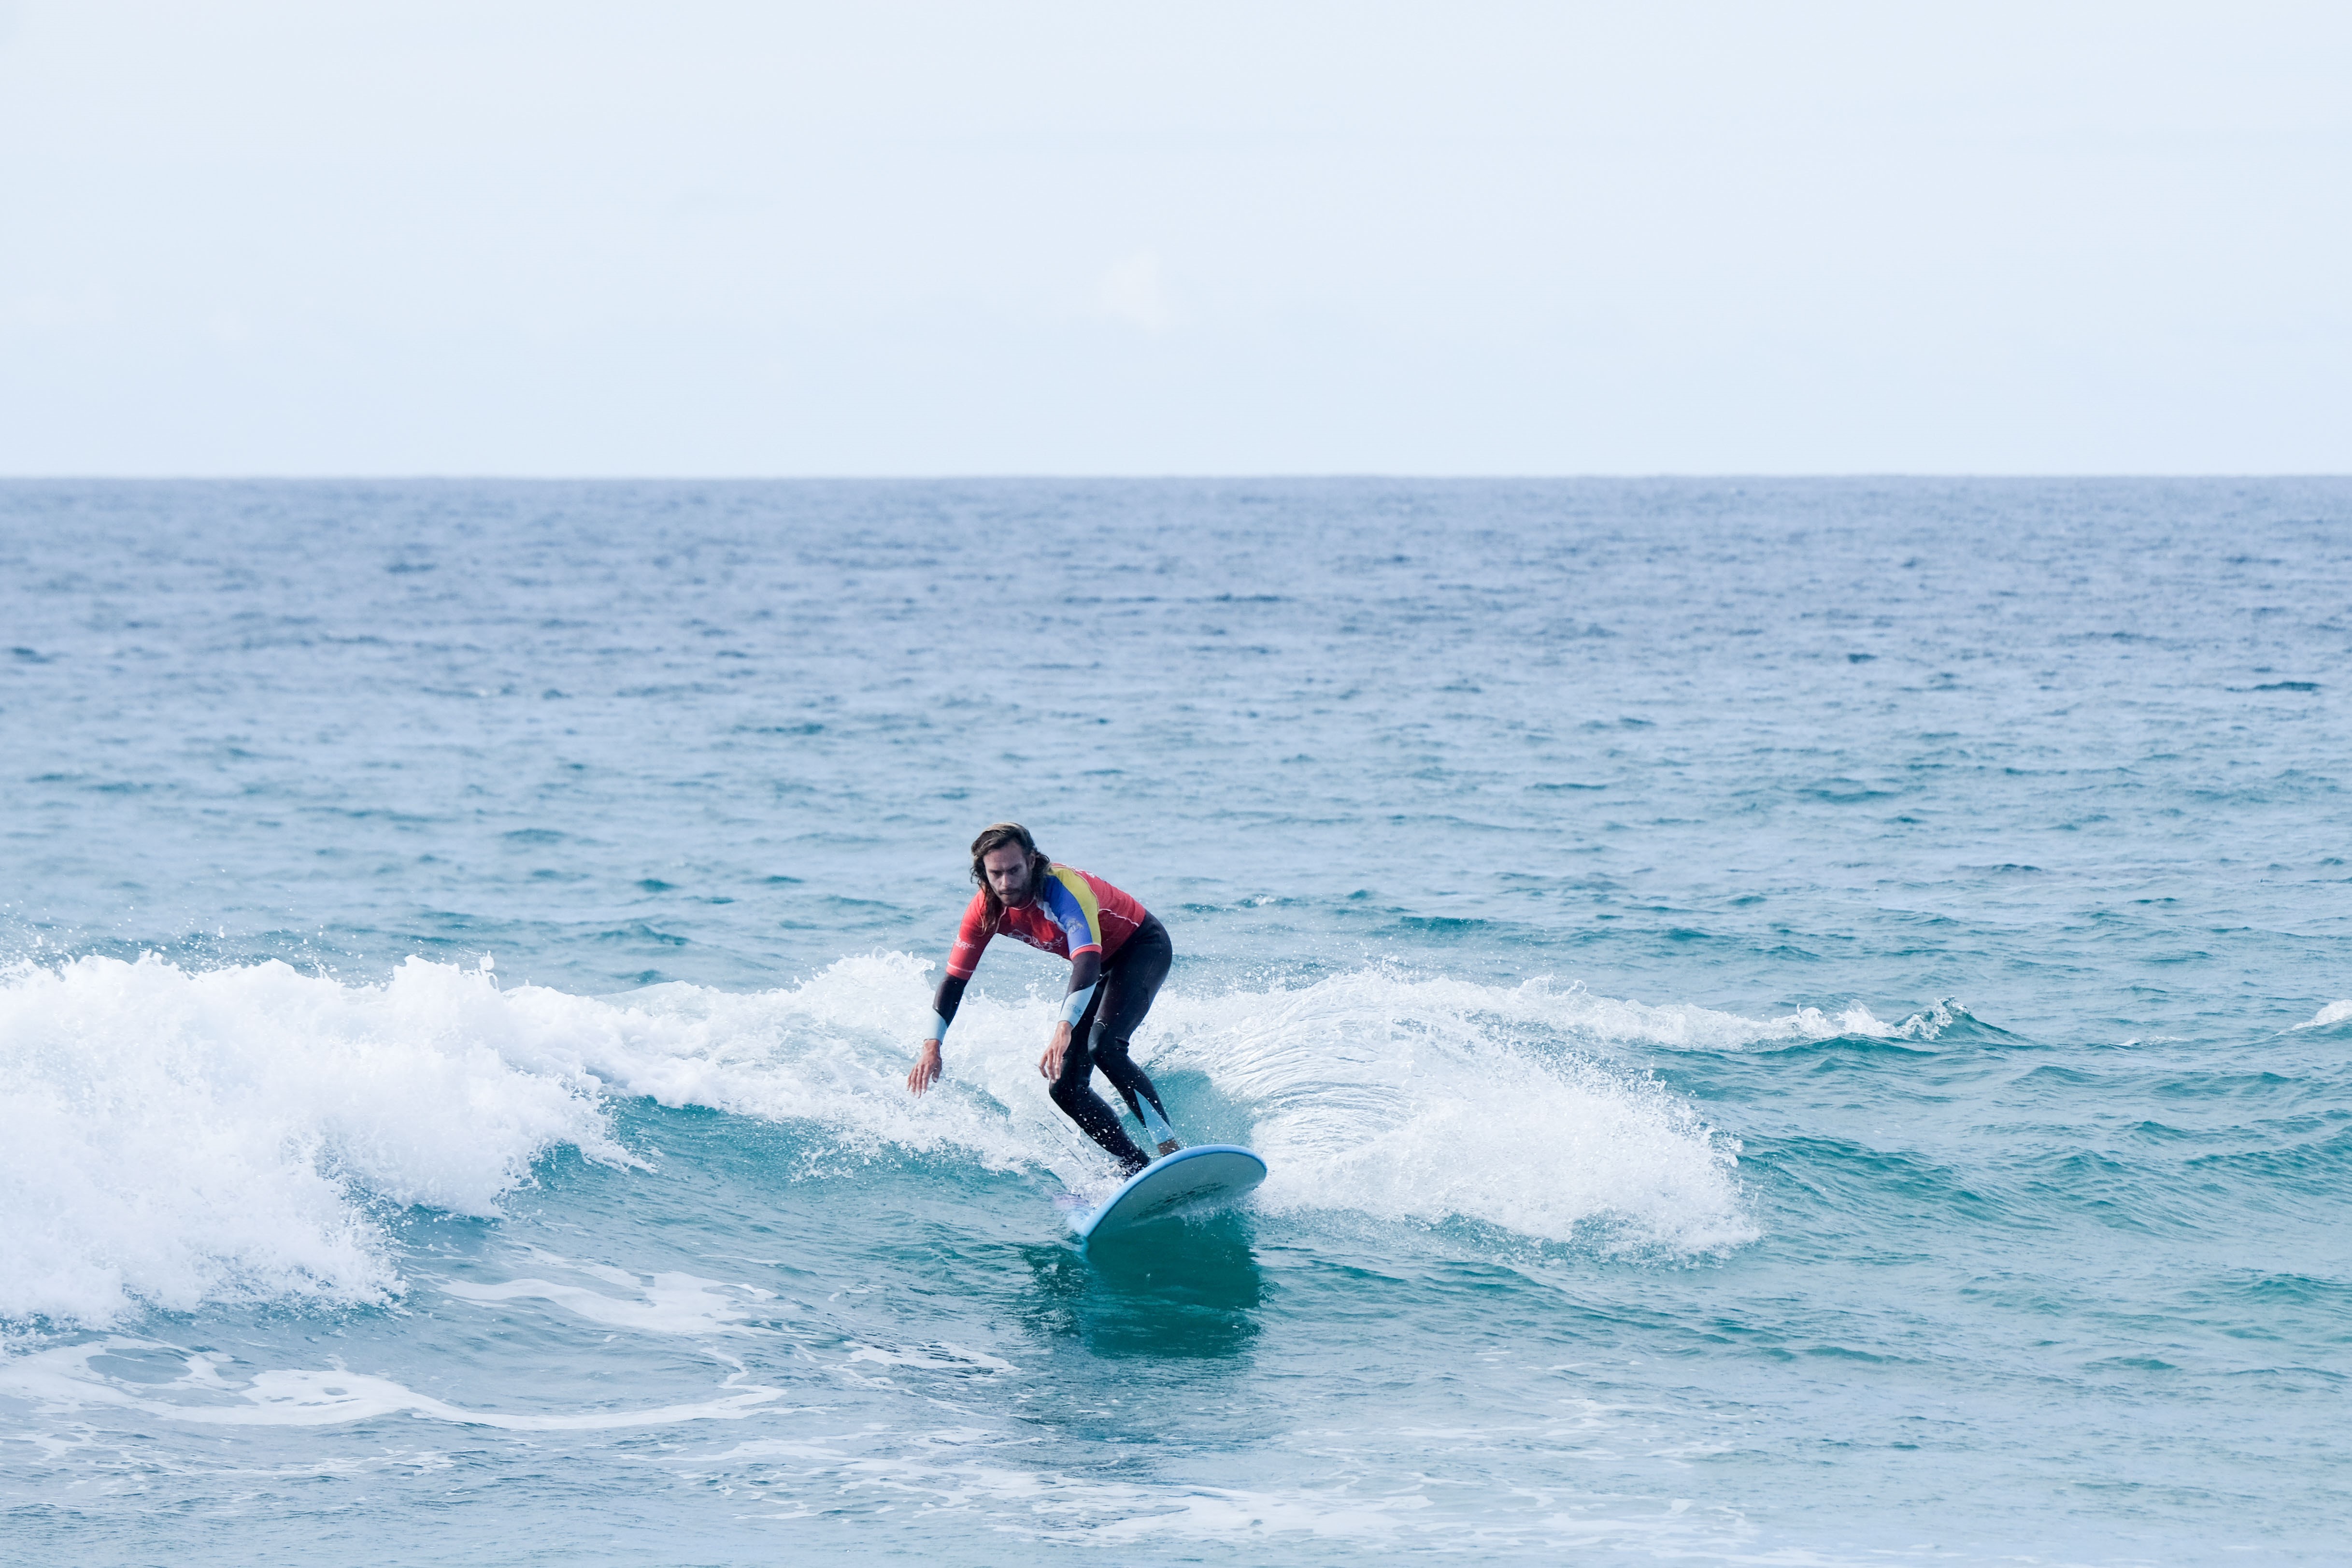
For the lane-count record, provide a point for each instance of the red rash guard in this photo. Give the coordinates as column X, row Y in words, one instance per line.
column 1074, row 912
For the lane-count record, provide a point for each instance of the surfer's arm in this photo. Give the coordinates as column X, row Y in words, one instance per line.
column 944, row 1002
column 963, row 959
column 1086, row 974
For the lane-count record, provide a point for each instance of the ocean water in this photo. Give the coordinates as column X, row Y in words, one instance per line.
column 1793, row 1022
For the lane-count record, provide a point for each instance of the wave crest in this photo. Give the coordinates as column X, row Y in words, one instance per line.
column 183, row 1137
column 2327, row 1018
column 180, row 1137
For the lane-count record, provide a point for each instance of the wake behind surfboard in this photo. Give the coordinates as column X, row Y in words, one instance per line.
column 1187, row 1182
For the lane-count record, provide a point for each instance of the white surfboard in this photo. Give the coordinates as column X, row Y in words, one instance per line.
column 1189, row 1181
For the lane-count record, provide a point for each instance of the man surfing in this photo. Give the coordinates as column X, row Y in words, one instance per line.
column 1119, row 956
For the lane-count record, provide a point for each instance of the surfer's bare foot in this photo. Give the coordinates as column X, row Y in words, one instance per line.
column 1169, row 1145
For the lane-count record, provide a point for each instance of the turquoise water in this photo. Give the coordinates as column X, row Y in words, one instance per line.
column 1794, row 1022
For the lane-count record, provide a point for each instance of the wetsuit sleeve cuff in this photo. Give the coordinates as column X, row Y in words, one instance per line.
column 938, row 1028
column 1074, row 1005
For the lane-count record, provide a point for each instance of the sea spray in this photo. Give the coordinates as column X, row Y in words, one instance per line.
column 186, row 1135
column 177, row 1137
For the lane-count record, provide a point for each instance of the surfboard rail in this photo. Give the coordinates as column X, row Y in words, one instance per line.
column 1209, row 1175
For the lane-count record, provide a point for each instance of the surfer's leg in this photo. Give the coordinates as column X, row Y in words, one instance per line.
column 1135, row 1088
column 1129, row 987
column 1074, row 1092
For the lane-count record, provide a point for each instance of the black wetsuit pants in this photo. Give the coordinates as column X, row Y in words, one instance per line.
column 1099, row 1037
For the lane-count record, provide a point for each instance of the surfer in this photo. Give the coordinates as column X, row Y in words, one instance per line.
column 1119, row 956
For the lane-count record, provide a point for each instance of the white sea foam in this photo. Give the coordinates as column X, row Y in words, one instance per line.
column 665, row 1303
column 932, row 1358
column 2327, row 1017
column 959, row 1470
column 1438, row 1099
column 1682, row 1027
column 63, row 1378
column 179, row 1136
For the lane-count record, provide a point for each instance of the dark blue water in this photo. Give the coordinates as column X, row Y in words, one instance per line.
column 1793, row 1021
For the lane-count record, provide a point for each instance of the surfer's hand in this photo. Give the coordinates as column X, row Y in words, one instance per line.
column 1049, row 1065
column 927, row 1068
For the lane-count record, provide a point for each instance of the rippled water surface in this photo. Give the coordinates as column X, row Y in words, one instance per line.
column 1793, row 1022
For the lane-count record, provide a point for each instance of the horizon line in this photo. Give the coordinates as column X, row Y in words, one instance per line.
column 1232, row 476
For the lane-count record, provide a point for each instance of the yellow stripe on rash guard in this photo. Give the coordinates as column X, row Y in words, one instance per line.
column 1085, row 895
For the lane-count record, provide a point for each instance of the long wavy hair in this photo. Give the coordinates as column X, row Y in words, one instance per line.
column 997, row 836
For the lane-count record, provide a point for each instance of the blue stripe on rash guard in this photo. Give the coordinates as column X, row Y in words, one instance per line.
column 1070, row 913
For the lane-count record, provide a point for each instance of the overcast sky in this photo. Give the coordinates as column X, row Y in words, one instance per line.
column 989, row 238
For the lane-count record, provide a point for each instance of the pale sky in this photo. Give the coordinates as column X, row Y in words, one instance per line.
column 1107, row 238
